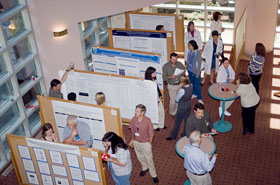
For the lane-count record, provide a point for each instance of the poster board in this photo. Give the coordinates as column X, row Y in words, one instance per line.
column 122, row 92
column 48, row 163
column 100, row 119
column 143, row 40
column 149, row 21
column 126, row 62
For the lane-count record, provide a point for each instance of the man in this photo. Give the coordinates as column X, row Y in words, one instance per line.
column 142, row 138
column 72, row 96
column 55, row 88
column 196, row 162
column 160, row 27
column 172, row 80
column 200, row 121
column 77, row 133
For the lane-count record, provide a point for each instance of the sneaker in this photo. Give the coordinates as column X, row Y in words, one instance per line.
column 227, row 113
column 194, row 96
column 200, row 101
column 155, row 179
column 220, row 111
column 142, row 173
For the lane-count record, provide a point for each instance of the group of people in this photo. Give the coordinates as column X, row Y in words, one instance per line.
column 181, row 89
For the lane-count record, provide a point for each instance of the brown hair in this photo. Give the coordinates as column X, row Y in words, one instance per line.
column 260, row 49
column 46, row 127
column 100, row 98
column 244, row 78
column 216, row 16
column 184, row 80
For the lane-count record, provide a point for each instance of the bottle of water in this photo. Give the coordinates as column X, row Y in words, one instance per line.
column 220, row 86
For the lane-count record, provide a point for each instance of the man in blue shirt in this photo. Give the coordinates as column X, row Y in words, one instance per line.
column 196, row 162
column 77, row 133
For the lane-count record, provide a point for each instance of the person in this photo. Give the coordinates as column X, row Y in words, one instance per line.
column 150, row 74
column 197, row 163
column 172, row 81
column 249, row 102
column 77, row 133
column 100, row 98
column 256, row 64
column 183, row 98
column 200, row 121
column 211, row 53
column 142, row 138
column 225, row 74
column 72, row 96
column 192, row 34
column 48, row 133
column 193, row 64
column 55, row 89
column 160, row 28
column 216, row 24
column 120, row 161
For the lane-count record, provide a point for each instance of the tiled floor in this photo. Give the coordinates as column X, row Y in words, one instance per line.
column 242, row 160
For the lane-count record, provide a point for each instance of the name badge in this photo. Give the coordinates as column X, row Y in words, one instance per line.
column 137, row 134
column 207, row 123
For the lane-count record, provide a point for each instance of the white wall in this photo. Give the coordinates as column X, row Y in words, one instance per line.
column 261, row 22
column 49, row 15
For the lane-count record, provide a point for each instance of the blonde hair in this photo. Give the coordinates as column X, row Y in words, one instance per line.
column 100, row 98
column 184, row 80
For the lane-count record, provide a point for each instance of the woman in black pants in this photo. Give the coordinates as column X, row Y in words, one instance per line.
column 183, row 98
column 249, row 102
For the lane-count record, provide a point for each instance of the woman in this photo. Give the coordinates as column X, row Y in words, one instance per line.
column 211, row 53
column 256, row 65
column 225, row 74
column 48, row 133
column 100, row 98
column 119, row 162
column 193, row 64
column 150, row 74
column 192, row 34
column 249, row 102
column 183, row 98
column 216, row 24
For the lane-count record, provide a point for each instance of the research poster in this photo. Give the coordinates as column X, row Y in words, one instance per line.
column 114, row 61
column 153, row 42
column 92, row 116
column 149, row 22
column 120, row 92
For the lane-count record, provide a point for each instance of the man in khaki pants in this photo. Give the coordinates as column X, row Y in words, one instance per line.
column 173, row 81
column 142, row 137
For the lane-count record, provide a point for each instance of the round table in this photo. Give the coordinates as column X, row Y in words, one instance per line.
column 207, row 145
column 216, row 93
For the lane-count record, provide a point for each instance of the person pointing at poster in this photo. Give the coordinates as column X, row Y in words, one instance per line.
column 77, row 133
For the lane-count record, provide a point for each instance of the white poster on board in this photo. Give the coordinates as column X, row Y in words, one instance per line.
column 149, row 22
column 123, row 93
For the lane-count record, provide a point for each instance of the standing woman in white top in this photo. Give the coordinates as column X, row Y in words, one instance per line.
column 216, row 24
column 211, row 53
column 120, row 161
column 249, row 102
column 225, row 74
column 192, row 34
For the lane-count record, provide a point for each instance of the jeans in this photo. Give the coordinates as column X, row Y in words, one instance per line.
column 195, row 81
column 119, row 180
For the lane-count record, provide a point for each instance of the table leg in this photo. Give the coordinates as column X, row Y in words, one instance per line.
column 222, row 125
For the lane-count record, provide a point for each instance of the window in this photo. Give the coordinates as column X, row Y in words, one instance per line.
column 20, row 75
column 93, row 32
column 201, row 13
column 277, row 29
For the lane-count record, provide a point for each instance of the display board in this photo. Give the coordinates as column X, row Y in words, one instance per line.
column 143, row 40
column 122, row 92
column 48, row 163
column 126, row 62
column 99, row 119
column 149, row 21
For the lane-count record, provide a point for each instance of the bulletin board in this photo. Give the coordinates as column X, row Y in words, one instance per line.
column 49, row 113
column 149, row 21
column 143, row 40
column 123, row 92
column 48, row 163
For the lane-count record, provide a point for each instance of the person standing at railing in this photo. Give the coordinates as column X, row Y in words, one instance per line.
column 217, row 25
